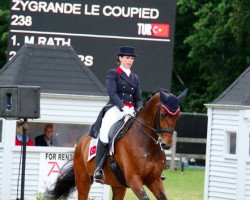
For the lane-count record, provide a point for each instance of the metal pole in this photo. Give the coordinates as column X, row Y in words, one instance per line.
column 182, row 166
column 24, row 157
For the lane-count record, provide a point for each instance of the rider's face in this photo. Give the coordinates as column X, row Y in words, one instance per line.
column 126, row 61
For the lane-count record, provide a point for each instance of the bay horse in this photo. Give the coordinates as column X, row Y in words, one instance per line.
column 138, row 153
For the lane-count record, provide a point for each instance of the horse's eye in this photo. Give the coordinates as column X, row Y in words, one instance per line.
column 163, row 115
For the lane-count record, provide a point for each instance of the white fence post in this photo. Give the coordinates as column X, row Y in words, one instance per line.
column 173, row 149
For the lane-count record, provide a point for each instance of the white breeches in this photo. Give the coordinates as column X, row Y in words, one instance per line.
column 111, row 116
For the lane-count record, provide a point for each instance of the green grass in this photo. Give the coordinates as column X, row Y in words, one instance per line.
column 179, row 186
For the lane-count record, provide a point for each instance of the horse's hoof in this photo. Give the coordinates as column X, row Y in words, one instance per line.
column 163, row 178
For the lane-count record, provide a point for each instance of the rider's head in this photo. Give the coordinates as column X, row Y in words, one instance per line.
column 126, row 56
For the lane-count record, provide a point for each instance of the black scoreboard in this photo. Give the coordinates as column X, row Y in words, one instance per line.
column 96, row 29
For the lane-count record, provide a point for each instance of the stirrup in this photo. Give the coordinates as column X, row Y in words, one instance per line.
column 99, row 177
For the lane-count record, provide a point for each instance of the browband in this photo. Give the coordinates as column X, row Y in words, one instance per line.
column 175, row 114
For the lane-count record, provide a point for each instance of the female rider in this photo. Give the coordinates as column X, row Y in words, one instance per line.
column 124, row 91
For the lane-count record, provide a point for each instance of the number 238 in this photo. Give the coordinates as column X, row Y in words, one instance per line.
column 21, row 20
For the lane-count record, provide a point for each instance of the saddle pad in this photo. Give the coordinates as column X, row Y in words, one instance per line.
column 92, row 148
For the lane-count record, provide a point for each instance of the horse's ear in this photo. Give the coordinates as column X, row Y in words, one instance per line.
column 182, row 95
column 162, row 94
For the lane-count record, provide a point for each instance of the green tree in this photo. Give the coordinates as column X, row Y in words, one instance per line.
column 4, row 18
column 4, row 23
column 5, row 4
column 214, row 49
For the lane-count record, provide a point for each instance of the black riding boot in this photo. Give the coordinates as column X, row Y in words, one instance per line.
column 101, row 150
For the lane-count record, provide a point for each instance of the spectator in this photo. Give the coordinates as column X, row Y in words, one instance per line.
column 71, row 139
column 19, row 135
column 46, row 139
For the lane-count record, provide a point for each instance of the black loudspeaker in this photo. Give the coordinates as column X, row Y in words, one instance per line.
column 19, row 101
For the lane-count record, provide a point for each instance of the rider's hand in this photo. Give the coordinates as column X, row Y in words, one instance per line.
column 128, row 111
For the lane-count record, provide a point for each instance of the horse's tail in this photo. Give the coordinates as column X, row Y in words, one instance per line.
column 65, row 183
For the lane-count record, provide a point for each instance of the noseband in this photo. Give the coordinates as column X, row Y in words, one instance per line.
column 158, row 130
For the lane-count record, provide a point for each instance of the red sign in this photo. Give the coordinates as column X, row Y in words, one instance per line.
column 160, row 30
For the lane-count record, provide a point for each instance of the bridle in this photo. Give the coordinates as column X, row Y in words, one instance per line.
column 157, row 128
column 160, row 130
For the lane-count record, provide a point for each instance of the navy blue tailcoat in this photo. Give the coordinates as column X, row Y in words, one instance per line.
column 122, row 90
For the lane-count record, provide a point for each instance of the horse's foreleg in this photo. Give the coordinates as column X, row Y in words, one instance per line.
column 135, row 184
column 157, row 189
column 118, row 193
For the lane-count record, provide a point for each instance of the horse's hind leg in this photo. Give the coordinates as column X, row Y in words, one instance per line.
column 83, row 182
column 157, row 189
column 118, row 193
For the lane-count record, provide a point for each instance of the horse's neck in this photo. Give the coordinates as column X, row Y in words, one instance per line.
column 143, row 129
column 148, row 113
column 147, row 118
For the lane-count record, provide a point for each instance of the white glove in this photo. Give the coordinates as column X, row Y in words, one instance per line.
column 128, row 111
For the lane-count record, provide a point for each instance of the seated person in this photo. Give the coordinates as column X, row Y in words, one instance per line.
column 46, row 139
column 71, row 139
column 19, row 135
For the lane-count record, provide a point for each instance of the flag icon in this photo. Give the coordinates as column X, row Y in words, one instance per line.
column 92, row 151
column 160, row 30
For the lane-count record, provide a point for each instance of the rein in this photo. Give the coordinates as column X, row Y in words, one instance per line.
column 158, row 130
column 156, row 141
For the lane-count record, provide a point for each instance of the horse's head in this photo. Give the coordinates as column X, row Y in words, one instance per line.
column 167, row 114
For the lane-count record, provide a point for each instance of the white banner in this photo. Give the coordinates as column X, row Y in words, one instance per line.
column 50, row 166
